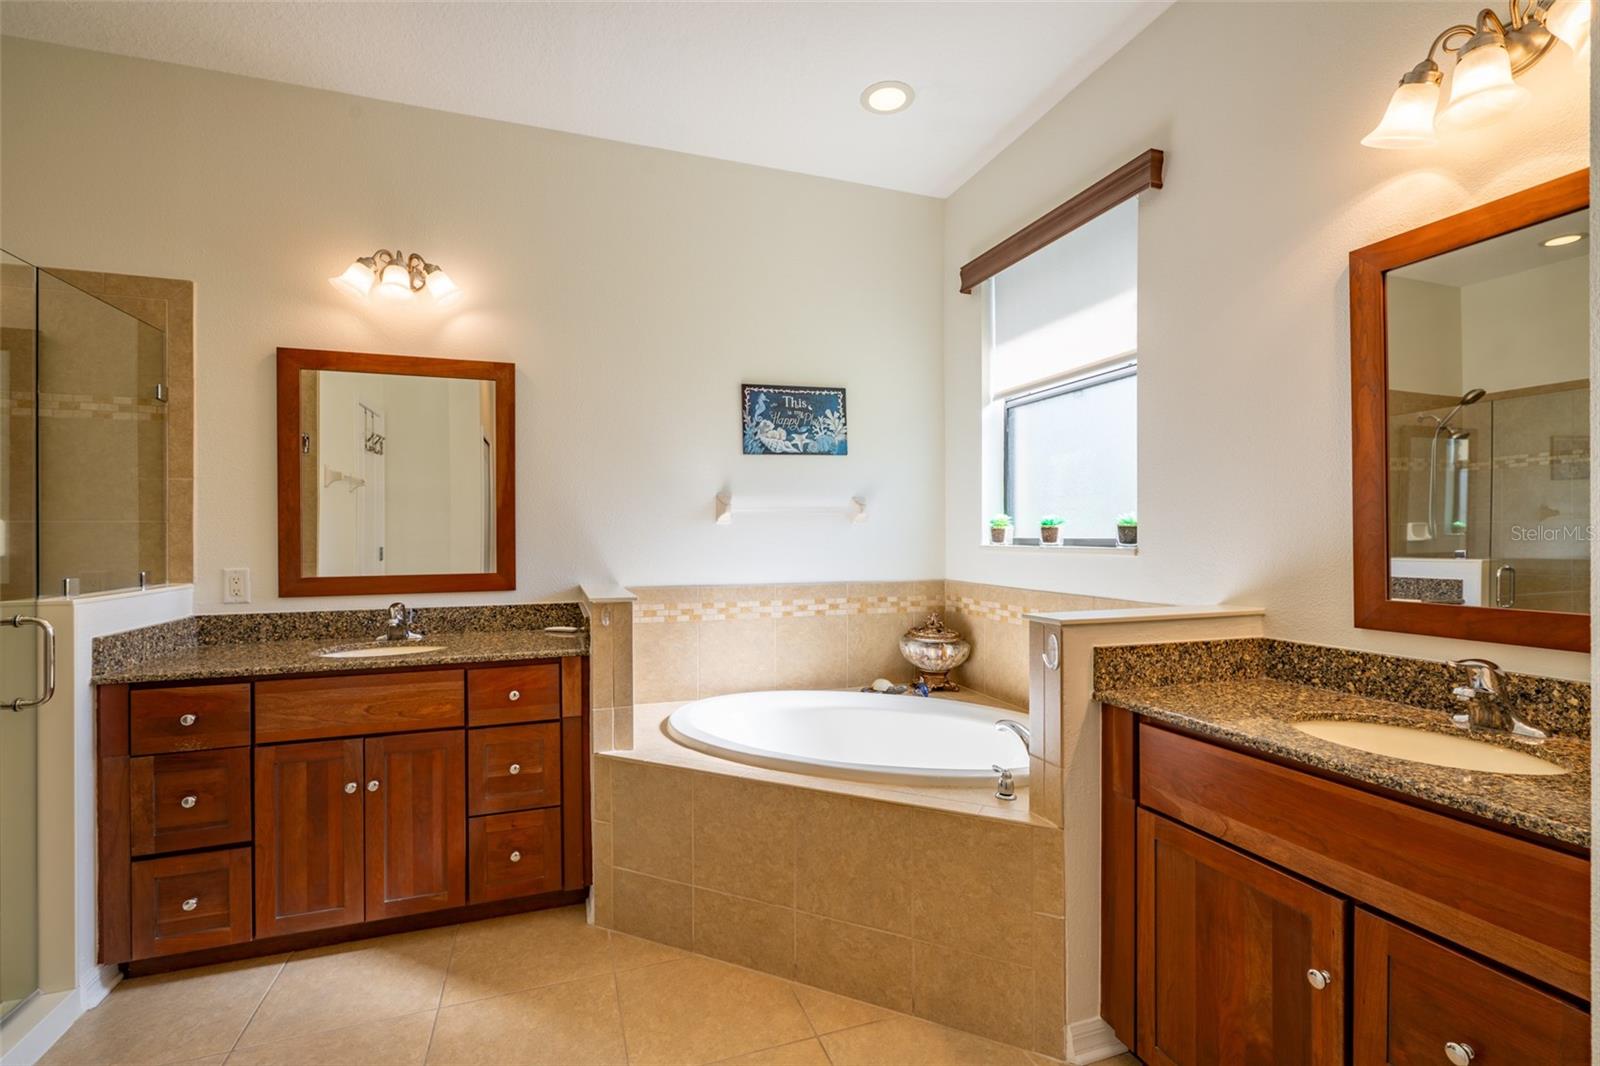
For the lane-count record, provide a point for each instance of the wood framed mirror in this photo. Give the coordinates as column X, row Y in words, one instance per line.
column 1470, row 423
column 395, row 474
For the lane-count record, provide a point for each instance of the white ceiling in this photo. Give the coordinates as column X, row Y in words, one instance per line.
column 775, row 84
column 1497, row 257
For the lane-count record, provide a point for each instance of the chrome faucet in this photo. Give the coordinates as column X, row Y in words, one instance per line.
column 1486, row 705
column 1006, row 787
column 1018, row 728
column 401, row 624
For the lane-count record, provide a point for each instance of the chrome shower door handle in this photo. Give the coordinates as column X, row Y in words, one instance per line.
column 18, row 621
column 1505, row 576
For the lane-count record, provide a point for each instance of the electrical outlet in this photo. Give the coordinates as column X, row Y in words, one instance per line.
column 236, row 585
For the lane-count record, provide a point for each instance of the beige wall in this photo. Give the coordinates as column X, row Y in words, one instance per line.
column 1244, row 427
column 634, row 288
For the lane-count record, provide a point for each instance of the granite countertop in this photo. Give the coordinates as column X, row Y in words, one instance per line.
column 266, row 658
column 1259, row 713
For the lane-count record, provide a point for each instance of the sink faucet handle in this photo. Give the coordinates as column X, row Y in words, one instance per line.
column 397, row 611
column 1482, row 675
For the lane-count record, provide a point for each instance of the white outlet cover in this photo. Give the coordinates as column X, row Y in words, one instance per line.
column 236, row 585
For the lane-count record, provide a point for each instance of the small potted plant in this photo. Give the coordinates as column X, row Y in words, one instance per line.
column 1128, row 530
column 1050, row 529
column 999, row 525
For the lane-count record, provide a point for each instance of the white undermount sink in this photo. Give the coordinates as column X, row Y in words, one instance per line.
column 1425, row 746
column 382, row 651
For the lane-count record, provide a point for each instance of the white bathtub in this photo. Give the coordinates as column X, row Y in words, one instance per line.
column 866, row 736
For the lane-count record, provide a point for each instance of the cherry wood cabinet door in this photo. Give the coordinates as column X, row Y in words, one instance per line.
column 308, row 836
column 1239, row 963
column 416, row 816
column 1418, row 1002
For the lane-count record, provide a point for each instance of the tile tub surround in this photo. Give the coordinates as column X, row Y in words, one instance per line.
column 1555, row 705
column 953, row 915
column 247, row 645
column 609, row 610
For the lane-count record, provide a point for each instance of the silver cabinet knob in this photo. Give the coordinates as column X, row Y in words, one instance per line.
column 1459, row 1054
column 516, row 856
column 188, row 802
column 187, row 719
column 191, row 903
column 514, row 769
column 514, row 695
column 1318, row 979
column 372, row 786
column 350, row 788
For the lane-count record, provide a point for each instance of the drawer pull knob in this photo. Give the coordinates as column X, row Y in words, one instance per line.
column 186, row 719
column 191, row 903
column 1459, row 1054
column 515, row 768
column 372, row 786
column 516, row 856
column 514, row 695
column 350, row 788
column 188, row 802
column 1318, row 979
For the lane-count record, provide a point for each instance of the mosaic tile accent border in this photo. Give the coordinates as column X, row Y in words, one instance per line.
column 109, row 408
column 718, row 609
column 987, row 610
column 1554, row 704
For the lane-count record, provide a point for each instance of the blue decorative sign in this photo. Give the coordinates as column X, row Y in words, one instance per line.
column 794, row 420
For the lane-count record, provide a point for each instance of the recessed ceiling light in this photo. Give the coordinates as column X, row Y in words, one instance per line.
column 1564, row 239
column 887, row 97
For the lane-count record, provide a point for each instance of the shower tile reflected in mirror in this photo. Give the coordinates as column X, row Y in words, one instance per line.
column 1488, row 431
column 102, row 443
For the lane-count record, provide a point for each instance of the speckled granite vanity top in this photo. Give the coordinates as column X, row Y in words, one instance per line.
column 1235, row 704
column 266, row 645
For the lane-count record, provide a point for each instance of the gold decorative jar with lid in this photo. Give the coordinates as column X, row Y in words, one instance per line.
column 935, row 651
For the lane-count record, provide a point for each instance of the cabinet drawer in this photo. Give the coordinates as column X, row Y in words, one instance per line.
column 189, row 902
column 188, row 718
column 310, row 708
column 192, row 799
column 1522, row 904
column 500, row 694
column 515, row 854
column 1415, row 996
column 513, row 767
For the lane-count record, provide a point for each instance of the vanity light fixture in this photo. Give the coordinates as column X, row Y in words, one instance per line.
column 1563, row 240
column 887, row 97
column 1489, row 54
column 397, row 276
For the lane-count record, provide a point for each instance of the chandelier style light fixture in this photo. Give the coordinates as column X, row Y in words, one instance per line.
column 396, row 276
column 1488, row 56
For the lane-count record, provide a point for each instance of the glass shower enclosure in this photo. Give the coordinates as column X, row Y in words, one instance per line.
column 82, row 510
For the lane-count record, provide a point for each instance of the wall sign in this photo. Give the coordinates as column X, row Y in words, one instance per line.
column 793, row 420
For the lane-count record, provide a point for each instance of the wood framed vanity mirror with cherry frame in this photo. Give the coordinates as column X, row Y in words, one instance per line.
column 1370, row 371
column 361, row 434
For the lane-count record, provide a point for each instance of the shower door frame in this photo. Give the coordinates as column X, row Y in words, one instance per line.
column 1369, row 392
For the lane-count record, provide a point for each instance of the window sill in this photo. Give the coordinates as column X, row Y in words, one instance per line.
column 1059, row 549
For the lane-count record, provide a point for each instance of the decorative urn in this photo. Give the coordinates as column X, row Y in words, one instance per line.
column 935, row 651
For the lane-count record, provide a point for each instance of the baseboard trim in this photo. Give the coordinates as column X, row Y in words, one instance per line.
column 1092, row 1040
column 37, row 1025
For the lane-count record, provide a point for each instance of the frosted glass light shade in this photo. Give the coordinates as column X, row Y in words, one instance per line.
column 356, row 280
column 1481, row 88
column 395, row 283
column 443, row 288
column 1570, row 21
column 1408, row 123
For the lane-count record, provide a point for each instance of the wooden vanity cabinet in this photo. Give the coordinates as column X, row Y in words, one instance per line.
column 1231, row 885
column 251, row 817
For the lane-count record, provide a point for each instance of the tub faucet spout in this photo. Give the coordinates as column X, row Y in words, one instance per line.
column 1018, row 728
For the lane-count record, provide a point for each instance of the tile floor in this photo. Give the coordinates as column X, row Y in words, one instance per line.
column 531, row 989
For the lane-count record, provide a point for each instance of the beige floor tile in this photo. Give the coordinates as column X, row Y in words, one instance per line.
column 631, row 952
column 911, row 1041
column 699, row 1010
column 572, row 1024
column 525, row 951
column 334, row 987
column 169, row 1018
column 829, row 1012
column 800, row 1053
column 391, row 1041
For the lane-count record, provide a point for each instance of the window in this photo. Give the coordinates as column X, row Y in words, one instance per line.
column 1062, row 387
